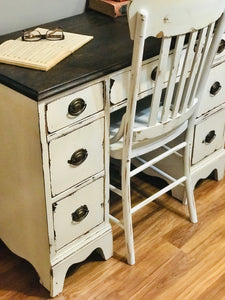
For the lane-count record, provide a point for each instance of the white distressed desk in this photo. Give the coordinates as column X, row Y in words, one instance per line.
column 54, row 157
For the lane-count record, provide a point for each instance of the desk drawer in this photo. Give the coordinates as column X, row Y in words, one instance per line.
column 119, row 87
column 120, row 82
column 220, row 56
column 76, row 156
column 74, row 107
column 78, row 213
column 214, row 93
column 209, row 136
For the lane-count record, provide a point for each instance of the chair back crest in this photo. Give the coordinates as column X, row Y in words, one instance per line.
column 173, row 17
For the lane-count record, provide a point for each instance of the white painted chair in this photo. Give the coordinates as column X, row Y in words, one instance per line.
column 142, row 130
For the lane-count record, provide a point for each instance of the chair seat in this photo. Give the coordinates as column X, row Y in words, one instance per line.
column 147, row 145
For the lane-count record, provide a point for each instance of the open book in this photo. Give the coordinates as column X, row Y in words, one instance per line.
column 43, row 54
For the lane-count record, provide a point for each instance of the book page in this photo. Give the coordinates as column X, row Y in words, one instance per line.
column 43, row 54
column 29, row 54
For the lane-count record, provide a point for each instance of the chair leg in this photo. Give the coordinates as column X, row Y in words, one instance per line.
column 189, row 187
column 191, row 202
column 127, row 216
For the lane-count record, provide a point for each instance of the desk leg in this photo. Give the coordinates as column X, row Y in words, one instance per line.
column 58, row 272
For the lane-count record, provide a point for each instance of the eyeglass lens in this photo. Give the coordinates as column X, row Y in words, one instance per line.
column 35, row 35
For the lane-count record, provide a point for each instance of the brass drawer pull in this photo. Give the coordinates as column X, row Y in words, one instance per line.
column 221, row 46
column 76, row 107
column 154, row 73
column 80, row 214
column 210, row 137
column 78, row 157
column 215, row 88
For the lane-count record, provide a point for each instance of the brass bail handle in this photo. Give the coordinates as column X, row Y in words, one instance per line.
column 76, row 107
column 79, row 214
column 210, row 137
column 215, row 88
column 78, row 157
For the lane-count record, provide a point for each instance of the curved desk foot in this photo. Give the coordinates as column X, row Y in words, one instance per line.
column 103, row 244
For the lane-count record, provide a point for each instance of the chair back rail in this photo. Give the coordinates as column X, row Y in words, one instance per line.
column 174, row 17
column 188, row 59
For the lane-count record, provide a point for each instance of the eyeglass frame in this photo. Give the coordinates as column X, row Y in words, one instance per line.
column 43, row 36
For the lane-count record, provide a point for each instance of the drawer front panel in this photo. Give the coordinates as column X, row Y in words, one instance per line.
column 76, row 156
column 220, row 56
column 120, row 82
column 74, row 107
column 119, row 87
column 78, row 213
column 148, row 75
column 214, row 93
column 209, row 136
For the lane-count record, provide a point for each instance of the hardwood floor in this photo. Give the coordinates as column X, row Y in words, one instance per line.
column 174, row 258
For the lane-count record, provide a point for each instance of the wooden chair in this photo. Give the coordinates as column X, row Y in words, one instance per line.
column 143, row 129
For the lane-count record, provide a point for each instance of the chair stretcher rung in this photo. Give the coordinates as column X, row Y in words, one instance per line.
column 115, row 190
column 159, row 171
column 163, row 174
column 116, row 221
column 157, row 159
column 158, row 194
column 176, row 153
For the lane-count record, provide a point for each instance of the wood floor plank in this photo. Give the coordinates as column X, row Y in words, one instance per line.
column 216, row 290
column 175, row 259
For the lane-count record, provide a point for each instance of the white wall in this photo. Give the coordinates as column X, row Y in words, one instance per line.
column 21, row 14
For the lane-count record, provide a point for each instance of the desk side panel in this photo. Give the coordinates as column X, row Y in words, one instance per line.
column 23, row 223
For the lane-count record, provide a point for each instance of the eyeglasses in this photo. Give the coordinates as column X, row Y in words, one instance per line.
column 35, row 35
